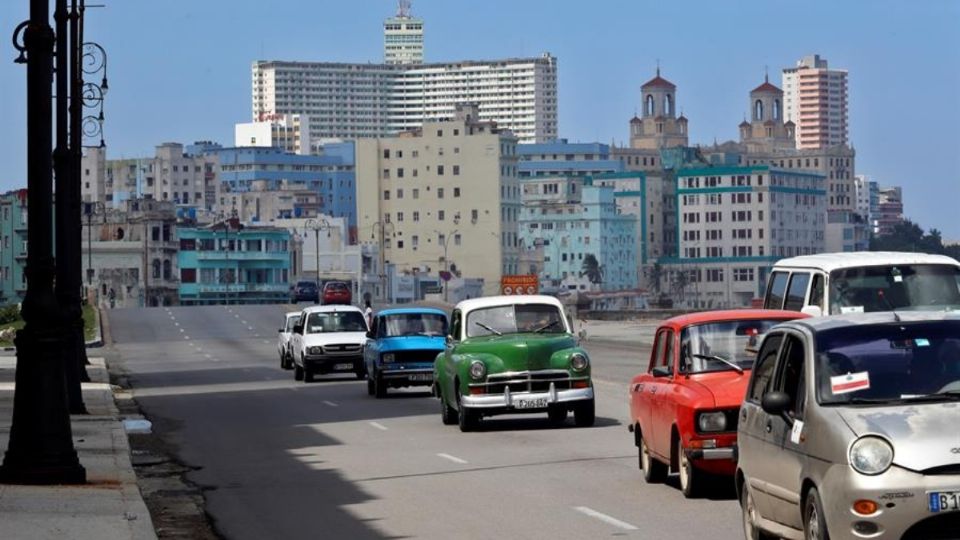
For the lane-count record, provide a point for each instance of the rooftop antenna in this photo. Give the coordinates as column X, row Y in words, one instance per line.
column 403, row 9
column 766, row 73
column 658, row 67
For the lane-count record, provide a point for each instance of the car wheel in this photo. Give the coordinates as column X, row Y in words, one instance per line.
column 585, row 413
column 467, row 419
column 691, row 480
column 447, row 414
column 751, row 530
column 297, row 372
column 814, row 522
column 557, row 414
column 361, row 374
column 379, row 387
column 307, row 374
column 370, row 389
column 654, row 472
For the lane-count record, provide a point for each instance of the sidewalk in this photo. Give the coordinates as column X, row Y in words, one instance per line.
column 109, row 506
column 620, row 332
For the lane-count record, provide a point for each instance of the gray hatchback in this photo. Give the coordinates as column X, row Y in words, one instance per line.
column 851, row 429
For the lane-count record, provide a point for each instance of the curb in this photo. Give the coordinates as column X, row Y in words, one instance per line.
column 97, row 341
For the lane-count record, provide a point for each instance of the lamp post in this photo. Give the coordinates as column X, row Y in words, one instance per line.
column 446, row 262
column 318, row 225
column 382, row 227
column 89, row 210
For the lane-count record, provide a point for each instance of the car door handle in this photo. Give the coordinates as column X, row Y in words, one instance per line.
column 769, row 427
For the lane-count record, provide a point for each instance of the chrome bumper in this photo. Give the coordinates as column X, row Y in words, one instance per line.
column 505, row 400
column 711, row 454
column 406, row 373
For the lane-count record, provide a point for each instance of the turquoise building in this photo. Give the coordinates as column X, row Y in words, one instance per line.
column 13, row 246
column 228, row 263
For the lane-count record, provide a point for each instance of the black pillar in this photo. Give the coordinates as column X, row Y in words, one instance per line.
column 40, row 449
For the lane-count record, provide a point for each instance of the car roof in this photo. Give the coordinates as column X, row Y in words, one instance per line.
column 332, row 309
column 491, row 301
column 832, row 322
column 701, row 317
column 832, row 261
column 293, row 314
column 403, row 311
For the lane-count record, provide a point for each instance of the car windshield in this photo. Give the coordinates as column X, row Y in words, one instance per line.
column 514, row 319
column 414, row 324
column 341, row 321
column 291, row 322
column 901, row 287
column 888, row 362
column 306, row 285
column 714, row 346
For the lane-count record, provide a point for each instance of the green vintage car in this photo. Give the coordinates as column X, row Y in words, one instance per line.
column 512, row 354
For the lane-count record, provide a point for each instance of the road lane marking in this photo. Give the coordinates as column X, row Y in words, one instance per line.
column 186, row 338
column 250, row 328
column 182, row 330
column 379, row 426
column 454, row 459
column 175, row 323
column 605, row 518
column 208, row 355
column 330, row 404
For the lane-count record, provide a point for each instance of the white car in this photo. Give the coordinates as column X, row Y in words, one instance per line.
column 283, row 339
column 329, row 339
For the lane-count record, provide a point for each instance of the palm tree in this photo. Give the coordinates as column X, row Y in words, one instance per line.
column 591, row 268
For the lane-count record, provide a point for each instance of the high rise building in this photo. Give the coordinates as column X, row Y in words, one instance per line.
column 403, row 37
column 288, row 132
column 889, row 209
column 815, row 99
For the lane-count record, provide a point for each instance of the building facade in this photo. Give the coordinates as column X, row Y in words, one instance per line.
column 403, row 37
column 658, row 126
column 227, row 263
column 13, row 246
column 288, row 132
column 562, row 158
column 443, row 197
column 352, row 101
column 889, row 209
column 815, row 100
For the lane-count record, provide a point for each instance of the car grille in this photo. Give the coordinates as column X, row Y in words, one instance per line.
column 943, row 470
column 940, row 527
column 347, row 349
column 528, row 381
column 415, row 356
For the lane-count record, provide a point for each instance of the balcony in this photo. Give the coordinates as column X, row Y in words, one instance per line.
column 242, row 287
column 242, row 255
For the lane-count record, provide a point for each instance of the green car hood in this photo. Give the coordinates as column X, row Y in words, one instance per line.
column 519, row 352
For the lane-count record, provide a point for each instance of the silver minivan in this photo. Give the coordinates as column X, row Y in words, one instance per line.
column 863, row 282
column 851, row 429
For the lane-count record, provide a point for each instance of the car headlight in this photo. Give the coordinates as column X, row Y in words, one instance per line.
column 478, row 369
column 315, row 350
column 387, row 358
column 579, row 362
column 712, row 421
column 871, row 455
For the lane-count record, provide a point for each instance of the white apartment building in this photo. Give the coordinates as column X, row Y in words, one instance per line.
column 353, row 101
column 735, row 222
column 403, row 37
column 815, row 99
column 289, row 132
column 445, row 196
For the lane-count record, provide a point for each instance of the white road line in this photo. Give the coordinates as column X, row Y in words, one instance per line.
column 208, row 356
column 330, row 403
column 250, row 328
column 175, row 323
column 186, row 338
column 379, row 426
column 182, row 330
column 454, row 459
column 605, row 518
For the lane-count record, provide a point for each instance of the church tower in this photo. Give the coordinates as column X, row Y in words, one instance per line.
column 766, row 129
column 658, row 126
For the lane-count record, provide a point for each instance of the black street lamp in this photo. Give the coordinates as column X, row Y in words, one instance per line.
column 40, row 449
column 89, row 209
column 317, row 225
column 446, row 263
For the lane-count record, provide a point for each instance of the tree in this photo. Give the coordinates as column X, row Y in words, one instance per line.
column 656, row 274
column 591, row 268
column 908, row 236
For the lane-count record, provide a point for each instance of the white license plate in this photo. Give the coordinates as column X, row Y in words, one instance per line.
column 529, row 403
column 944, row 501
column 343, row 366
column 421, row 377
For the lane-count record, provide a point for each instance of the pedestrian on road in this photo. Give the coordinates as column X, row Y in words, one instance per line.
column 368, row 314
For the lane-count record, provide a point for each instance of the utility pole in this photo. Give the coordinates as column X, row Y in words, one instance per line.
column 382, row 225
column 318, row 225
column 40, row 449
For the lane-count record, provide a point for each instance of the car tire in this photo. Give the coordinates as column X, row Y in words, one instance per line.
column 297, row 372
column 654, row 472
column 557, row 415
column 691, row 479
column 379, row 387
column 307, row 375
column 447, row 414
column 467, row 419
column 585, row 413
column 751, row 531
column 370, row 388
column 361, row 374
column 814, row 522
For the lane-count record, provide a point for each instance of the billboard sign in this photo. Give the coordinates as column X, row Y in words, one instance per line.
column 519, row 284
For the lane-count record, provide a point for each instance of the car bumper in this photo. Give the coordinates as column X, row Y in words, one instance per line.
column 507, row 399
column 409, row 377
column 902, row 497
column 333, row 363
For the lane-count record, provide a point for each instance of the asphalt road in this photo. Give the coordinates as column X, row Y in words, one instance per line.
column 285, row 459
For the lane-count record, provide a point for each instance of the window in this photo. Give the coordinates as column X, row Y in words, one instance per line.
column 416, row 193
column 386, row 194
column 386, row 153
column 441, row 215
column 763, row 369
column 456, row 192
column 439, row 170
column 797, row 291
column 400, row 172
column 399, row 193
column 456, row 239
column 386, row 174
column 439, row 193
column 662, row 349
column 456, row 170
column 776, row 291
column 416, row 216
column 399, row 216
column 439, row 133
column 816, row 292
column 188, row 275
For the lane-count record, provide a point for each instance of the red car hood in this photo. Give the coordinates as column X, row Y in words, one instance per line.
column 728, row 388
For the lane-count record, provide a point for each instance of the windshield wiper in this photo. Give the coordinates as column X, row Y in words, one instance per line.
column 718, row 359
column 487, row 328
column 864, row 401
column 546, row 326
column 950, row 395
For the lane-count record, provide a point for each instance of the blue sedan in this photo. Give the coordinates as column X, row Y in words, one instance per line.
column 402, row 346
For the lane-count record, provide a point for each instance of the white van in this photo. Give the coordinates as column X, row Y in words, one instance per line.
column 864, row 281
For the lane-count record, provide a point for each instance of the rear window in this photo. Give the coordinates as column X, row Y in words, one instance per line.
column 335, row 286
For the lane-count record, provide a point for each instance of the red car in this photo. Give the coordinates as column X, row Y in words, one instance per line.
column 684, row 408
column 336, row 292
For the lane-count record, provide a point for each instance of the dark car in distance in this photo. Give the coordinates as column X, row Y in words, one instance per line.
column 336, row 292
column 305, row 291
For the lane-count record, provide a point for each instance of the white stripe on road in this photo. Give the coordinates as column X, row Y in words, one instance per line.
column 181, row 330
column 605, row 518
column 453, row 458
column 186, row 338
column 379, row 426
column 330, row 404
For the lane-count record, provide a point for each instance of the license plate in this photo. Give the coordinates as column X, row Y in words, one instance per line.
column 343, row 366
column 421, row 377
column 529, row 403
column 944, row 501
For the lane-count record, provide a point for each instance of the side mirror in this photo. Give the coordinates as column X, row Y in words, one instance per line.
column 298, row 329
column 280, row 330
column 661, row 371
column 370, row 334
column 776, row 404
column 449, row 340
column 813, row 311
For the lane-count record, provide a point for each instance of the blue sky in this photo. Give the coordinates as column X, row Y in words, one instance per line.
column 180, row 69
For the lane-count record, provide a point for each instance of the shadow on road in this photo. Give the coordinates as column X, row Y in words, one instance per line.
column 536, row 422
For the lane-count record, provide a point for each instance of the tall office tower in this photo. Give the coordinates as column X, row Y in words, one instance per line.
column 403, row 37
column 815, row 99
